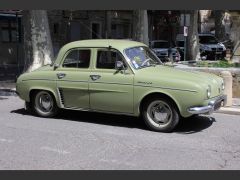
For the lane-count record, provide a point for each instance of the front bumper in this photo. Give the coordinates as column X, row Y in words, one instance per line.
column 212, row 106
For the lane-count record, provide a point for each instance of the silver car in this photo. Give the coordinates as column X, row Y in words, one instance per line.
column 162, row 47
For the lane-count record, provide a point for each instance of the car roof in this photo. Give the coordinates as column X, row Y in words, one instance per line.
column 206, row 34
column 119, row 44
column 158, row 41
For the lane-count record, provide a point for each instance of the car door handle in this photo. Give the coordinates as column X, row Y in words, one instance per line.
column 95, row 77
column 61, row 75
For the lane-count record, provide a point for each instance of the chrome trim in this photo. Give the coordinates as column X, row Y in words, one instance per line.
column 210, row 107
column 60, row 97
column 98, row 111
column 189, row 90
column 39, row 79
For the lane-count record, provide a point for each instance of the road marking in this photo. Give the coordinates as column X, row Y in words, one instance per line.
column 59, row 151
column 6, row 140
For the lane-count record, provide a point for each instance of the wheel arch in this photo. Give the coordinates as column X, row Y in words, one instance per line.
column 33, row 90
column 158, row 94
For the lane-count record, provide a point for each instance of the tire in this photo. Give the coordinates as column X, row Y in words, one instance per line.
column 27, row 107
column 43, row 104
column 160, row 114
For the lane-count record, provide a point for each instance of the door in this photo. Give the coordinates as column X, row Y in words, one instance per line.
column 96, row 30
column 110, row 90
column 72, row 79
column 75, row 31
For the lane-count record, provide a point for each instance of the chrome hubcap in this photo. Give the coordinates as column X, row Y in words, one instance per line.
column 159, row 113
column 44, row 102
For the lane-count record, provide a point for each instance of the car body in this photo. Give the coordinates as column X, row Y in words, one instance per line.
column 211, row 48
column 162, row 48
column 119, row 77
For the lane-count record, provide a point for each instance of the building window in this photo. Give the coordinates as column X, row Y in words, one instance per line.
column 9, row 31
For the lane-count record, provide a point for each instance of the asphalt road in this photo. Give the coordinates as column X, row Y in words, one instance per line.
column 82, row 140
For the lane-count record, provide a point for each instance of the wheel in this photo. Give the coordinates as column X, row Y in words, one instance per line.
column 43, row 104
column 160, row 114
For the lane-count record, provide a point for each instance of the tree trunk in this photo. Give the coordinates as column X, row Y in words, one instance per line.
column 219, row 26
column 192, row 48
column 204, row 21
column 140, row 26
column 38, row 50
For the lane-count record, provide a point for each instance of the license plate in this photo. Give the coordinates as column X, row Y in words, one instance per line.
column 218, row 52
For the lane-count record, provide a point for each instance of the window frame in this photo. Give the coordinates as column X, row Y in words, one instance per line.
column 114, row 50
column 73, row 49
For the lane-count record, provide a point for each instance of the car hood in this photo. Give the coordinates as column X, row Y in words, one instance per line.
column 219, row 45
column 165, row 76
column 163, row 49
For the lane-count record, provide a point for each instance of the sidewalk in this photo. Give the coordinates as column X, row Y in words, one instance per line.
column 7, row 85
column 9, row 88
column 234, row 109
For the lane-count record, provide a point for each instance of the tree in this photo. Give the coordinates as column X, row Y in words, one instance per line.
column 140, row 26
column 38, row 50
column 219, row 25
column 192, row 45
column 204, row 20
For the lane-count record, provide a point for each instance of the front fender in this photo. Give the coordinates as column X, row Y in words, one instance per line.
column 183, row 99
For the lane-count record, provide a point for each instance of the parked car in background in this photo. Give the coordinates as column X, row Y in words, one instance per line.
column 162, row 49
column 211, row 48
column 119, row 77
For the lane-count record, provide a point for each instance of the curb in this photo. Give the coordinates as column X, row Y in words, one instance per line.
column 229, row 110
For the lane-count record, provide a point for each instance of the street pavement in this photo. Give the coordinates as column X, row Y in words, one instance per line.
column 83, row 140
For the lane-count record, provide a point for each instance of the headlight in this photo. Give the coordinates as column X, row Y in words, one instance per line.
column 223, row 86
column 209, row 92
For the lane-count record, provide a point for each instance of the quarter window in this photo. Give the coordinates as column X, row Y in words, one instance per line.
column 77, row 59
column 106, row 59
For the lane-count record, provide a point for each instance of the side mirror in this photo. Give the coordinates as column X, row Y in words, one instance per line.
column 119, row 65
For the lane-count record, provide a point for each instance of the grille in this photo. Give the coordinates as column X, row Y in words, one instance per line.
column 61, row 96
column 217, row 49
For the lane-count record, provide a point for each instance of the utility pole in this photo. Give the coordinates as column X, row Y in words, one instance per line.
column 185, row 37
column 170, row 36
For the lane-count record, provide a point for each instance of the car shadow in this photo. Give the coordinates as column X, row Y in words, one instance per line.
column 194, row 124
column 185, row 126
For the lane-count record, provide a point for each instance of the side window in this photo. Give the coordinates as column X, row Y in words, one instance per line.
column 77, row 59
column 106, row 59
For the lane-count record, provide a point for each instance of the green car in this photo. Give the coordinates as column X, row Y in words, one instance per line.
column 119, row 77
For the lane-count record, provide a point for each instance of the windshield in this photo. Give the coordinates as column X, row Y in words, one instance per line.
column 207, row 40
column 141, row 57
column 160, row 44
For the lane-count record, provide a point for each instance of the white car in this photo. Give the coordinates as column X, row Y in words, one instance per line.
column 161, row 49
column 211, row 48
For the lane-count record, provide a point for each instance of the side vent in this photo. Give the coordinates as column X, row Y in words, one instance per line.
column 61, row 96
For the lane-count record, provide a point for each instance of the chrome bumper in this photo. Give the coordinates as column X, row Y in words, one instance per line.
column 212, row 106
